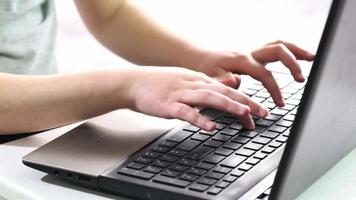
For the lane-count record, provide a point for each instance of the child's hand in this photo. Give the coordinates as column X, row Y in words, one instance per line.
column 222, row 65
column 173, row 92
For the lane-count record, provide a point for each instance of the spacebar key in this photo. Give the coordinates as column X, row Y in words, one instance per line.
column 135, row 173
column 171, row 181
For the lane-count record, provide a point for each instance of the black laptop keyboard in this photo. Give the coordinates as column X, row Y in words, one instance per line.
column 208, row 162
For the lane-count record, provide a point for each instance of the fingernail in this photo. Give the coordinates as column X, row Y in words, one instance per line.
column 281, row 102
column 263, row 112
column 210, row 125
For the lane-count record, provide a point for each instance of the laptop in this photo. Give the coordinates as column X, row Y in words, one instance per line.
column 289, row 149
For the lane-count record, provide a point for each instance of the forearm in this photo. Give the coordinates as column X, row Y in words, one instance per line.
column 132, row 35
column 33, row 103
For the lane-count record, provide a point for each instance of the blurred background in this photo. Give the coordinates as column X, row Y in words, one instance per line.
column 233, row 25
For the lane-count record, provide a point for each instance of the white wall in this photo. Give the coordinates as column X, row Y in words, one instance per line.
column 239, row 25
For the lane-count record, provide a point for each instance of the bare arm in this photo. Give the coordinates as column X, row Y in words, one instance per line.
column 33, row 103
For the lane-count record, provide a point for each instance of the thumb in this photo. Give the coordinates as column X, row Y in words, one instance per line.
column 229, row 79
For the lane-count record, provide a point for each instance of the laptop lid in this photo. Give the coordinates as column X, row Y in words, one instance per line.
column 325, row 128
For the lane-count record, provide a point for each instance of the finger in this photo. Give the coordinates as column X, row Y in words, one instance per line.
column 272, row 87
column 256, row 108
column 218, row 101
column 229, row 79
column 256, row 70
column 299, row 53
column 189, row 114
column 279, row 52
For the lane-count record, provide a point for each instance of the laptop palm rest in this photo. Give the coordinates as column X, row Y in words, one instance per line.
column 97, row 145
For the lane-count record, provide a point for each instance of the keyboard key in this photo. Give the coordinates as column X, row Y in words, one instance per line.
column 264, row 122
column 248, row 134
column 260, row 129
column 151, row 154
column 233, row 161
column 284, row 123
column 214, row 191
column 187, row 162
column 222, row 184
column 213, row 158
column 262, row 94
column 232, row 145
column 209, row 133
column 223, row 151
column 178, row 153
column 211, row 113
column 294, row 102
column 267, row 150
column 229, row 132
column 191, row 128
column 135, row 165
column 260, row 155
column 171, row 181
column 214, row 175
column 245, row 152
column 199, row 137
column 180, row 136
column 220, row 126
column 144, row 160
column 269, row 134
column 252, row 161
column 135, row 173
column 152, row 169
column 169, row 158
column 225, row 120
column 180, row 168
column 278, row 111
column 258, row 99
column 213, row 143
column 160, row 163
column 223, row 170
column 250, row 92
column 222, row 138
column 168, row 144
column 273, row 117
column 203, row 165
column 198, row 187
column 188, row 145
column 253, row 146
column 261, row 140
column 200, row 152
column 278, row 129
column 160, row 149
column 275, row 144
column 288, row 107
column 230, row 178
column 289, row 117
column 170, row 173
column 196, row 171
column 189, row 177
column 240, row 139
column 206, row 181
column 237, row 173
column 236, row 126
column 245, row 167
column 289, row 90
column 282, row 139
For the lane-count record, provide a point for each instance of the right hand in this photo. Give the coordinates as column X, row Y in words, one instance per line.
column 173, row 92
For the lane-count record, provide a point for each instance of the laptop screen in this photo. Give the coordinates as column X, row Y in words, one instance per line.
column 325, row 128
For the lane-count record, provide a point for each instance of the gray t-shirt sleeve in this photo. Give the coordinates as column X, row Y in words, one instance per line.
column 27, row 36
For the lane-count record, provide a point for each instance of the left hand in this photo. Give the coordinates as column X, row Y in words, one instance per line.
column 226, row 66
